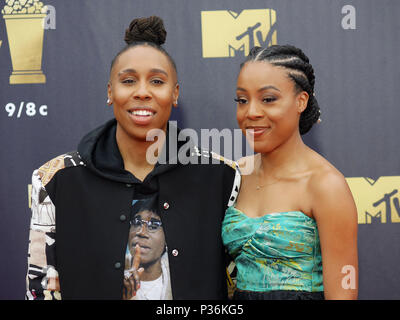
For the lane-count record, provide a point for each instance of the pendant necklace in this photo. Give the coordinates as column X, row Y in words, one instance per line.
column 260, row 186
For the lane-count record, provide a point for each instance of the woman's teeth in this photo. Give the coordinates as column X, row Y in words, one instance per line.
column 141, row 113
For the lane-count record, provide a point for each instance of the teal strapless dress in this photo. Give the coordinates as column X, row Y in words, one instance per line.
column 275, row 252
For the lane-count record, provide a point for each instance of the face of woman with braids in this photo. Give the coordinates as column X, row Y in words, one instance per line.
column 268, row 105
column 142, row 87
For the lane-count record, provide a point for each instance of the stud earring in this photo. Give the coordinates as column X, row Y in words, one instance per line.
column 108, row 101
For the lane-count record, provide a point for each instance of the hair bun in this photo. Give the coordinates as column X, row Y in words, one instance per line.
column 149, row 29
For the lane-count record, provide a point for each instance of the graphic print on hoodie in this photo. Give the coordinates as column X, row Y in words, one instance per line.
column 146, row 253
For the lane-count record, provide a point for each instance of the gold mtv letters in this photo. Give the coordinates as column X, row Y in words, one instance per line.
column 225, row 32
column 376, row 200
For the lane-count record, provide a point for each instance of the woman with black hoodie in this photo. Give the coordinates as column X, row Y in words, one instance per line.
column 82, row 201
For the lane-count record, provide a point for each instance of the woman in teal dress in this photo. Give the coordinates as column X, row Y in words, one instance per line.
column 293, row 229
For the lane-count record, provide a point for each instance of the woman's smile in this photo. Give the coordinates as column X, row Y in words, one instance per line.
column 257, row 131
column 142, row 116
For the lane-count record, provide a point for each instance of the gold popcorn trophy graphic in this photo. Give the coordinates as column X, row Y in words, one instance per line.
column 25, row 30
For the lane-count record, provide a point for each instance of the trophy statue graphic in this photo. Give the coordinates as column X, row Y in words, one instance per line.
column 24, row 21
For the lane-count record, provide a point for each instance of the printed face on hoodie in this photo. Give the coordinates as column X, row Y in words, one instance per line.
column 142, row 88
column 147, row 232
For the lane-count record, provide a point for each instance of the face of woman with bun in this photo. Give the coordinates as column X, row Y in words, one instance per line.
column 268, row 105
column 142, row 87
column 143, row 80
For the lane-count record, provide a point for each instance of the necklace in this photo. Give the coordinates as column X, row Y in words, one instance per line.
column 259, row 186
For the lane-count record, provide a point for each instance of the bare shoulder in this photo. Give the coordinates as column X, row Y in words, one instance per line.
column 325, row 177
column 329, row 191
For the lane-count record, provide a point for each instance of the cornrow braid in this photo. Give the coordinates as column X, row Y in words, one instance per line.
column 300, row 71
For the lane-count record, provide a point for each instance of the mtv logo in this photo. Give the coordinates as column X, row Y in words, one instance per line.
column 376, row 200
column 226, row 33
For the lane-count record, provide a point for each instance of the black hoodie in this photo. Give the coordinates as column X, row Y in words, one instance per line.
column 82, row 206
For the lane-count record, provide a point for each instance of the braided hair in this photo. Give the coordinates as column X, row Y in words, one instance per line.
column 300, row 71
column 146, row 31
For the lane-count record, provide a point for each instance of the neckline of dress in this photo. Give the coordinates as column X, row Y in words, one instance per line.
column 272, row 213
